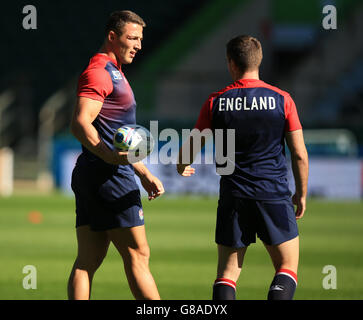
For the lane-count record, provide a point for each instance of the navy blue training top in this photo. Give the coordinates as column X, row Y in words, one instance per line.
column 260, row 114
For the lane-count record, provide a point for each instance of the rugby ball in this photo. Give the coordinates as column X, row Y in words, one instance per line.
column 135, row 139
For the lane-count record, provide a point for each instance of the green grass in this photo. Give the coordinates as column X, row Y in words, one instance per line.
column 183, row 254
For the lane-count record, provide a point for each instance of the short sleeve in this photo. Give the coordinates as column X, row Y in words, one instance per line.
column 95, row 84
column 205, row 116
column 291, row 115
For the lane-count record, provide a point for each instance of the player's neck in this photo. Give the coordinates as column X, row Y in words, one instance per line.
column 108, row 52
column 247, row 75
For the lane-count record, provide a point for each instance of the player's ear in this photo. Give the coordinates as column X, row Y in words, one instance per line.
column 111, row 36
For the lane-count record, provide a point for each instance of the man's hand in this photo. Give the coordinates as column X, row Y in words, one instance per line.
column 300, row 203
column 152, row 186
column 185, row 170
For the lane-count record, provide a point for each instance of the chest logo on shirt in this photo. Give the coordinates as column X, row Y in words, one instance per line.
column 116, row 75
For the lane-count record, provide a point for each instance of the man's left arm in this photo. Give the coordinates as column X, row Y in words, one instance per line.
column 191, row 147
column 152, row 185
column 186, row 157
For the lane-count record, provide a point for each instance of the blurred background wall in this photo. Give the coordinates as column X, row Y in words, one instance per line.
column 181, row 63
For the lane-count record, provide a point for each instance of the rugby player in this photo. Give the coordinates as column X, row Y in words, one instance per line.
column 255, row 198
column 108, row 204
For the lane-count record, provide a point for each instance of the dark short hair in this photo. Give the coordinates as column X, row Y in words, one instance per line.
column 246, row 52
column 118, row 19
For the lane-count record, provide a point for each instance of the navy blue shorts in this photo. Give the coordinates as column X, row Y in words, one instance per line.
column 106, row 199
column 239, row 220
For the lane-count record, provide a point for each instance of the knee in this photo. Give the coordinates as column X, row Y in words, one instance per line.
column 139, row 256
column 89, row 263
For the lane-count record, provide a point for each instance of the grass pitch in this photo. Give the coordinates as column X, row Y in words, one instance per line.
column 39, row 231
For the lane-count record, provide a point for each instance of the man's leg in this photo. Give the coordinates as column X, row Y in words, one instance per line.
column 230, row 262
column 92, row 248
column 132, row 245
column 285, row 258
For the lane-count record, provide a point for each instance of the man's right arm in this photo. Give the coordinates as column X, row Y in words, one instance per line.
column 300, row 168
column 84, row 114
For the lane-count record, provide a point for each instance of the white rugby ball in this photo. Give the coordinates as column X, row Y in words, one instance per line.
column 135, row 139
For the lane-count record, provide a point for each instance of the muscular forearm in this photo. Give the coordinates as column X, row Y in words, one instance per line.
column 191, row 148
column 82, row 128
column 88, row 136
column 140, row 169
column 300, row 168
